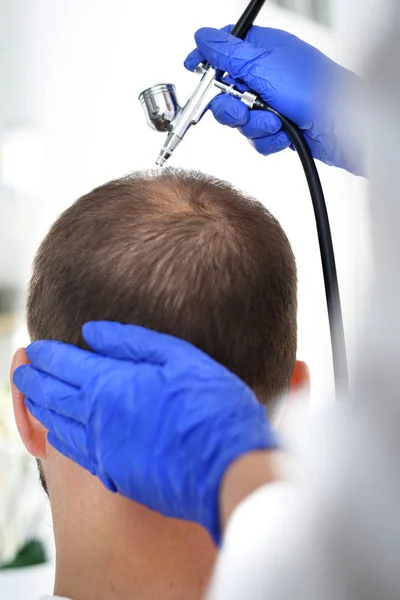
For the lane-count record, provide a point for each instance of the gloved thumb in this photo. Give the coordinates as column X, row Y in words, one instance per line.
column 228, row 53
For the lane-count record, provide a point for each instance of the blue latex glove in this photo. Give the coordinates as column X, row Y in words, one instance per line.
column 294, row 78
column 152, row 416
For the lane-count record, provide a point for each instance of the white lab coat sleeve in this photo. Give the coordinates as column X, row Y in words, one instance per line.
column 334, row 534
column 280, row 542
column 246, row 557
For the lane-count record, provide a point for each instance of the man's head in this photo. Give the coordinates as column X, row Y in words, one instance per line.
column 181, row 253
column 178, row 252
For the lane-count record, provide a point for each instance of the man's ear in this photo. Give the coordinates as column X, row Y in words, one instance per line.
column 33, row 434
column 300, row 378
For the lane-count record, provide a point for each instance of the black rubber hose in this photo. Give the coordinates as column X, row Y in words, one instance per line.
column 244, row 24
column 247, row 19
column 240, row 30
column 325, row 243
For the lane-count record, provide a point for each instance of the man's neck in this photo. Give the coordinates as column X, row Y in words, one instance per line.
column 109, row 549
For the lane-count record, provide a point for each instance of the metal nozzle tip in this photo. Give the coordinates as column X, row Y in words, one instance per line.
column 162, row 157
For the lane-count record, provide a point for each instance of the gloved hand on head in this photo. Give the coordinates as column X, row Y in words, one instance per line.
column 156, row 419
column 293, row 77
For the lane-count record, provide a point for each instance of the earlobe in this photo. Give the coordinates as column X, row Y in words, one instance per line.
column 300, row 378
column 32, row 433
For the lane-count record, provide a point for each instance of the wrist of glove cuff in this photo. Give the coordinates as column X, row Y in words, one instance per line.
column 255, row 434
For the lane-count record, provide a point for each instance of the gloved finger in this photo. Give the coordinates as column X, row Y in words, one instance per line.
column 195, row 57
column 67, row 431
column 65, row 361
column 229, row 111
column 134, row 343
column 240, row 59
column 261, row 123
column 51, row 393
column 270, row 144
column 253, row 123
column 239, row 85
column 259, row 36
column 71, row 453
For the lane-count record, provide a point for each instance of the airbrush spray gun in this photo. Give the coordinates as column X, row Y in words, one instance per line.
column 164, row 114
column 160, row 102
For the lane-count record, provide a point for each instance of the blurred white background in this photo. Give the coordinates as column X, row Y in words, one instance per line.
column 70, row 75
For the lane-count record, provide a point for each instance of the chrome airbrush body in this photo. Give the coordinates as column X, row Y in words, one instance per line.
column 163, row 112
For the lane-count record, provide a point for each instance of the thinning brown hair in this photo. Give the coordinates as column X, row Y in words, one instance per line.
column 181, row 253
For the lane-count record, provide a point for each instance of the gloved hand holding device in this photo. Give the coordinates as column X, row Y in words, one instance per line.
column 152, row 416
column 294, row 78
